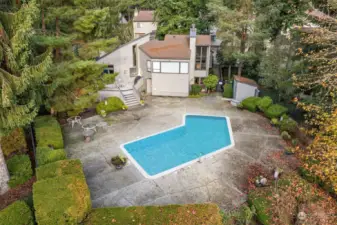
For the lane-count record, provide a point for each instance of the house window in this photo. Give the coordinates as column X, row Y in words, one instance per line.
column 139, row 25
column 156, row 67
column 109, row 70
column 170, row 67
column 201, row 58
column 148, row 65
column 184, row 67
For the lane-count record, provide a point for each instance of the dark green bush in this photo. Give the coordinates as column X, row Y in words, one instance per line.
column 48, row 132
column 17, row 213
column 20, row 170
column 288, row 125
column 264, row 103
column 251, row 103
column 14, row 142
column 275, row 111
column 261, row 205
column 211, row 81
column 60, row 168
column 228, row 91
column 61, row 200
column 195, row 89
column 45, row 155
column 113, row 104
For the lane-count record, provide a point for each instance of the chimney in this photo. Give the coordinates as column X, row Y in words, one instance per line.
column 193, row 43
column 193, row 31
column 135, row 12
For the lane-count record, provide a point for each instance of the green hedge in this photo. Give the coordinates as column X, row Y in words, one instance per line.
column 59, row 168
column 275, row 111
column 251, row 103
column 18, row 213
column 264, row 103
column 14, row 142
column 228, row 91
column 195, row 89
column 45, row 155
column 262, row 206
column 61, row 200
column 113, row 104
column 171, row 214
column 48, row 132
column 20, row 170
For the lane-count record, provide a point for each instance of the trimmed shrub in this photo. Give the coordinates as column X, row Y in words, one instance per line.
column 288, row 125
column 228, row 90
column 48, row 132
column 170, row 214
column 195, row 89
column 20, row 170
column 17, row 213
column 60, row 168
column 275, row 111
column 285, row 135
column 61, row 200
column 211, row 81
column 45, row 155
column 113, row 104
column 14, row 142
column 264, row 103
column 250, row 103
column 274, row 121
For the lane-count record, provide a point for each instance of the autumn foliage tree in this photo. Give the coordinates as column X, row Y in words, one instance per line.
column 320, row 79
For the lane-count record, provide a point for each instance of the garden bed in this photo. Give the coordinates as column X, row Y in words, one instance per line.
column 169, row 215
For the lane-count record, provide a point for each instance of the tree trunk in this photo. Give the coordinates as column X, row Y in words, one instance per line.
column 229, row 72
column 242, row 49
column 4, row 176
column 57, row 50
column 43, row 21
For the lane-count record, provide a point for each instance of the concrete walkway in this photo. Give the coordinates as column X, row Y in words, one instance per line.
column 219, row 179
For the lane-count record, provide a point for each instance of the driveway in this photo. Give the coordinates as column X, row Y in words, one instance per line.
column 218, row 179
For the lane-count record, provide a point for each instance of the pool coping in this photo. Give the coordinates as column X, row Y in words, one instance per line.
column 146, row 175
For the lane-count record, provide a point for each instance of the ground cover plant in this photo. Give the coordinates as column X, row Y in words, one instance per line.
column 20, row 170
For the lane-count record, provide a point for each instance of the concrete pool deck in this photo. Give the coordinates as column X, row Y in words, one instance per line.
column 218, row 179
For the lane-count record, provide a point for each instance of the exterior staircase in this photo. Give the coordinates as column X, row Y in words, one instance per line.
column 130, row 98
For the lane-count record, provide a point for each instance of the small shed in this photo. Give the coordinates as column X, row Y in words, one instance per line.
column 243, row 88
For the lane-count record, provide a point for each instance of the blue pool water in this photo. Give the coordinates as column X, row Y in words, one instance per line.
column 201, row 135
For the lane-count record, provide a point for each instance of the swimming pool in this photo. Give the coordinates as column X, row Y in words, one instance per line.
column 198, row 137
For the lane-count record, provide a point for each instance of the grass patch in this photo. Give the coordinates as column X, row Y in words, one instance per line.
column 18, row 213
column 157, row 215
column 48, row 132
column 59, row 168
column 20, row 170
column 200, row 95
column 61, row 200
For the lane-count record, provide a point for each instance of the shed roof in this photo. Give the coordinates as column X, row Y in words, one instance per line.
column 245, row 80
column 144, row 16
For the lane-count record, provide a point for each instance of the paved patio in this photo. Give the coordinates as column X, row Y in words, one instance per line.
column 218, row 179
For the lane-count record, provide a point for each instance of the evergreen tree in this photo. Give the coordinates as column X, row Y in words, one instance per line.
column 21, row 74
column 21, row 71
column 241, row 38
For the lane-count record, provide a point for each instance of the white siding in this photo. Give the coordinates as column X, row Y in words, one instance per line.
column 164, row 84
column 122, row 58
column 145, row 28
column 242, row 91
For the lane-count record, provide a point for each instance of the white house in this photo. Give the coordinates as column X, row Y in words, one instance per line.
column 170, row 66
column 143, row 23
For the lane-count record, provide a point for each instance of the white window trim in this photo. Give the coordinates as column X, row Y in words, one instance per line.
column 160, row 67
column 148, row 65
